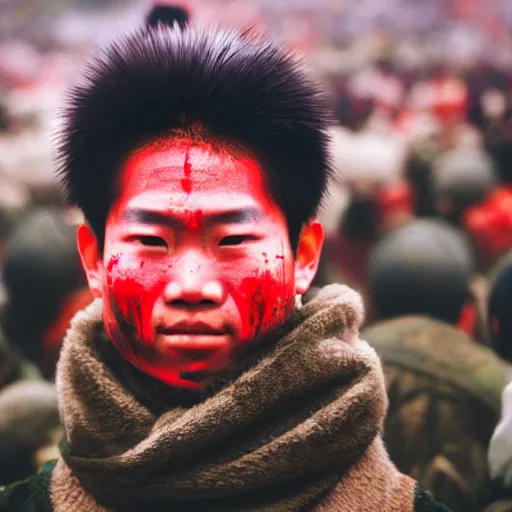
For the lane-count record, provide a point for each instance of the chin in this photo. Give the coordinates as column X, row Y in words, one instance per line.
column 178, row 372
column 179, row 383
column 173, row 379
column 201, row 374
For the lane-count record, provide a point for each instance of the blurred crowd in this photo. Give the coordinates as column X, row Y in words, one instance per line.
column 418, row 219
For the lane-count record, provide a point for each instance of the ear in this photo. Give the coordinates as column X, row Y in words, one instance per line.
column 307, row 258
column 91, row 258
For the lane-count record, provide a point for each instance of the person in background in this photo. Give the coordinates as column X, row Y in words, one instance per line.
column 424, row 267
column 443, row 388
column 500, row 336
column 29, row 429
column 461, row 178
column 167, row 14
column 367, row 198
column 498, row 138
column 374, row 209
column 13, row 367
column 45, row 286
column 489, row 224
column 14, row 199
column 200, row 379
column 492, row 275
column 442, row 94
column 500, row 328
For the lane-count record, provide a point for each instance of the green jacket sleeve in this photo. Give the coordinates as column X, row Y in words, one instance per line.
column 500, row 506
column 30, row 495
column 425, row 502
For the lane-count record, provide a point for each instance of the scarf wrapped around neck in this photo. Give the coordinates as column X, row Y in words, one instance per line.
column 295, row 427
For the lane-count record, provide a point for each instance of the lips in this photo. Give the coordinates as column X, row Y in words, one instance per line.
column 192, row 328
column 193, row 341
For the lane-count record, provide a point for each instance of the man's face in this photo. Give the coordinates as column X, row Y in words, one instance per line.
column 197, row 261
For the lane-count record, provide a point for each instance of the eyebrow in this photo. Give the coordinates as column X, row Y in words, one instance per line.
column 179, row 221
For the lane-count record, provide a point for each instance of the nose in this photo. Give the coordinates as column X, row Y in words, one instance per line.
column 193, row 283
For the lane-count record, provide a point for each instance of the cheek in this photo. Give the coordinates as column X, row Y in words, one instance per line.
column 132, row 287
column 264, row 296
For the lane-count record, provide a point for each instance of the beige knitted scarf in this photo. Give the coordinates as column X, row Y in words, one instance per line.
column 296, row 427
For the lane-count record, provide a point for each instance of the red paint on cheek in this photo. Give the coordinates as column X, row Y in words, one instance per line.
column 186, row 182
column 114, row 260
column 129, row 314
column 264, row 302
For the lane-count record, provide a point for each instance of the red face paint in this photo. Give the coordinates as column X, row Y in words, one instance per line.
column 197, row 262
column 194, row 219
column 263, row 301
column 126, row 289
column 186, row 182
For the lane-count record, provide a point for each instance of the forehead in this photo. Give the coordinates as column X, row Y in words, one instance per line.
column 192, row 174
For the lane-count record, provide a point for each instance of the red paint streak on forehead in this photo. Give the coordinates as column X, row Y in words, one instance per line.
column 187, row 166
column 183, row 168
column 186, row 182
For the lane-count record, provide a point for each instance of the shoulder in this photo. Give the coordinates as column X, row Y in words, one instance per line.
column 30, row 495
column 441, row 352
column 500, row 506
column 424, row 501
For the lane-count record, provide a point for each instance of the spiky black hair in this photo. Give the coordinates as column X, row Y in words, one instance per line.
column 157, row 81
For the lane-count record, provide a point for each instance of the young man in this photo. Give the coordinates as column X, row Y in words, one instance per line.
column 198, row 381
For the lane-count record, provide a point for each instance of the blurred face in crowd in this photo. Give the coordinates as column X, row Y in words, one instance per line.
column 54, row 334
column 197, row 262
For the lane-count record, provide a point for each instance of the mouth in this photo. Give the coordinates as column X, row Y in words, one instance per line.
column 194, row 342
column 192, row 329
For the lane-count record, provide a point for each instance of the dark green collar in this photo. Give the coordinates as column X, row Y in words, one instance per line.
column 29, row 495
column 425, row 502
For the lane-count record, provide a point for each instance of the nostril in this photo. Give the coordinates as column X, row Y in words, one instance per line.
column 179, row 302
column 193, row 294
column 189, row 303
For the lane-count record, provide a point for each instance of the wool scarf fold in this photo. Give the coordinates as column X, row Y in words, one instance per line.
column 279, row 433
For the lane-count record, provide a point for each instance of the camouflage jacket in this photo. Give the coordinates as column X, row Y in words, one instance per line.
column 444, row 392
column 500, row 506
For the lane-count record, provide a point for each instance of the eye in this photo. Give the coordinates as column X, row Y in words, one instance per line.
column 151, row 241
column 236, row 240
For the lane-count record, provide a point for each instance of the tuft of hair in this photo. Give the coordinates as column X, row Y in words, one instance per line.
column 239, row 88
